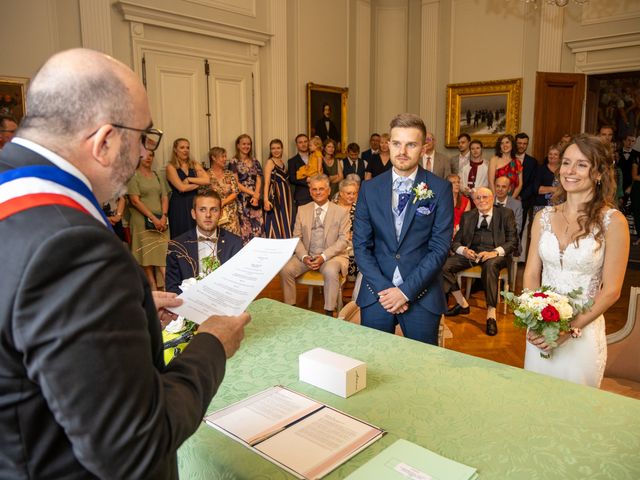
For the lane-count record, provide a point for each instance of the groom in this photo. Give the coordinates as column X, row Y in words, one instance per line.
column 401, row 236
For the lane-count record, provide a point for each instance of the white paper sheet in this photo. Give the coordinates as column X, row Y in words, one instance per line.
column 263, row 414
column 320, row 442
column 232, row 287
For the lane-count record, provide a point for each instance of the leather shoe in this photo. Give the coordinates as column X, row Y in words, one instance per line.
column 492, row 327
column 457, row 309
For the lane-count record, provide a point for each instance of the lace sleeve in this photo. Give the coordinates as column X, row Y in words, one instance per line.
column 606, row 220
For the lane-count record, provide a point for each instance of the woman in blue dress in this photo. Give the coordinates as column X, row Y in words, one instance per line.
column 277, row 195
column 185, row 176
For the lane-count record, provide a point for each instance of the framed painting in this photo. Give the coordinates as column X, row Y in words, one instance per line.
column 327, row 113
column 13, row 92
column 484, row 110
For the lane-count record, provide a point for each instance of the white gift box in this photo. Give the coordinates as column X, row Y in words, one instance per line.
column 333, row 372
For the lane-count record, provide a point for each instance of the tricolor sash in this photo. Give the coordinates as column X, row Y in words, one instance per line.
column 39, row 185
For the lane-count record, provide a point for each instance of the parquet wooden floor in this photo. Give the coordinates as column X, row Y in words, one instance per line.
column 469, row 330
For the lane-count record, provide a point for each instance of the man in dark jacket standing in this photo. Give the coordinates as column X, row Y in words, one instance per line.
column 84, row 391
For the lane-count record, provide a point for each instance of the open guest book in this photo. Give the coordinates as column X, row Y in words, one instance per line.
column 307, row 438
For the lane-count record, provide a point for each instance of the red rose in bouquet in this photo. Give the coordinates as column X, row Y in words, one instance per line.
column 550, row 314
column 540, row 295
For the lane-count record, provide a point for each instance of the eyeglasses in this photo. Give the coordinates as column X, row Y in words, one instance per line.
column 150, row 137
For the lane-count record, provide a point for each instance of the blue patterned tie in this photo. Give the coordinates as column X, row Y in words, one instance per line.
column 402, row 187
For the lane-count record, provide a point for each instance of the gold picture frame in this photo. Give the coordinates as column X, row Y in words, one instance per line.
column 484, row 110
column 13, row 92
column 318, row 96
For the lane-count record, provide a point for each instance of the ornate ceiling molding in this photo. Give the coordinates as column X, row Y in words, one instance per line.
column 134, row 12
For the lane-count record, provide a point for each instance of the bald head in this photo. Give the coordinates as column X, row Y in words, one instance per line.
column 483, row 198
column 74, row 92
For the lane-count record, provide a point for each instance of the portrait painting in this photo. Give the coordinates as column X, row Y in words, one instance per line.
column 484, row 110
column 327, row 113
column 12, row 96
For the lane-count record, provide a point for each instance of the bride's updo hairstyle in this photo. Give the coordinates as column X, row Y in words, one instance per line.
column 604, row 190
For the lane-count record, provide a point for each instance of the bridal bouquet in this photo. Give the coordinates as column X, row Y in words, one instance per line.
column 545, row 312
column 180, row 331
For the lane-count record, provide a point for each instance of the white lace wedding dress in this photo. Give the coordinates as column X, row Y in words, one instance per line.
column 581, row 360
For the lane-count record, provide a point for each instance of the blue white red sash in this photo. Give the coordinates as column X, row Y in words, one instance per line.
column 39, row 185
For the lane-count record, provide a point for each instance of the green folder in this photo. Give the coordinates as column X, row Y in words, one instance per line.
column 405, row 460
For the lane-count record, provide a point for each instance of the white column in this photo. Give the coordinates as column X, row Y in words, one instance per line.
column 278, row 91
column 428, row 62
column 95, row 25
column 360, row 93
column 550, row 48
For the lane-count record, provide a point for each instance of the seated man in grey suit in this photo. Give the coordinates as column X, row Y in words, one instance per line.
column 503, row 199
column 187, row 253
column 322, row 228
column 435, row 162
column 487, row 237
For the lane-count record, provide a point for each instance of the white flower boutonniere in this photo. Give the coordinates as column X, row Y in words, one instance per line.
column 422, row 192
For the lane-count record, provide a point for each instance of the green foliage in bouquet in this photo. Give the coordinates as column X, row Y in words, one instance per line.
column 545, row 311
column 175, row 343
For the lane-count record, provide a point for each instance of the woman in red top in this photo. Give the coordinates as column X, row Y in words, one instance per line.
column 505, row 164
column 461, row 203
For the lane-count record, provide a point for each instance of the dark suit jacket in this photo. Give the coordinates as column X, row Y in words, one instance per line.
column 529, row 190
column 366, row 155
column 301, row 194
column 179, row 268
column 420, row 251
column 626, row 164
column 358, row 170
column 84, row 391
column 324, row 133
column 503, row 227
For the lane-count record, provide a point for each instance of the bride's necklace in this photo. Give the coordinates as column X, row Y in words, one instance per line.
column 566, row 220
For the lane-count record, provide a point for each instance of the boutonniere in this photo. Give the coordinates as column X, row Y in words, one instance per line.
column 422, row 192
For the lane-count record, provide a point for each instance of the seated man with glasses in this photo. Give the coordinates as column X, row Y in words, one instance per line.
column 487, row 237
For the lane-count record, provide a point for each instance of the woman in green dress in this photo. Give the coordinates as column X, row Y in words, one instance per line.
column 148, row 196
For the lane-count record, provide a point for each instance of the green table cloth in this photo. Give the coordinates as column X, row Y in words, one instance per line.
column 506, row 422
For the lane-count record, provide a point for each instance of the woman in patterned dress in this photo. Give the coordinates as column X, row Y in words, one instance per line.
column 249, row 173
column 225, row 183
column 347, row 198
column 505, row 164
column 277, row 195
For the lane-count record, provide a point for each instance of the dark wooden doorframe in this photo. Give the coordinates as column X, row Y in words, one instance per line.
column 558, row 108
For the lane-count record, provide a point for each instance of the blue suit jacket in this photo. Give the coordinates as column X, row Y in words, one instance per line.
column 420, row 251
column 179, row 268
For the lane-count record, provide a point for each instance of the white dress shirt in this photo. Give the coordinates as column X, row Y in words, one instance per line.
column 206, row 248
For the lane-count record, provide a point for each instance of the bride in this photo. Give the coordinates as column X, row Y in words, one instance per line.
column 580, row 242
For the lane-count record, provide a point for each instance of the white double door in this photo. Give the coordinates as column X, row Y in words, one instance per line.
column 177, row 89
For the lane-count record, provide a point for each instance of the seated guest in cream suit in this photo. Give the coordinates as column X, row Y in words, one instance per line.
column 187, row 252
column 323, row 229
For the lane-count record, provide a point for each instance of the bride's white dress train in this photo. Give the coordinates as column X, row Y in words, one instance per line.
column 581, row 360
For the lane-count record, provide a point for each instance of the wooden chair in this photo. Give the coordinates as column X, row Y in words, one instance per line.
column 622, row 372
column 313, row 278
column 476, row 272
column 351, row 313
